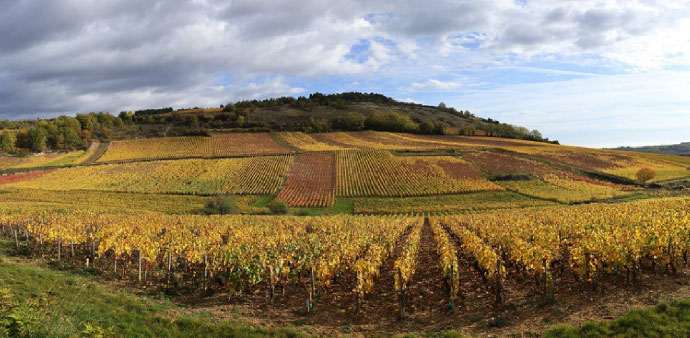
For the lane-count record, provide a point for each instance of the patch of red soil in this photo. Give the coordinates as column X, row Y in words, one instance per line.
column 21, row 177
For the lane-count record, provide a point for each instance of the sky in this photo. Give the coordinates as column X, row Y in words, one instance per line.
column 597, row 73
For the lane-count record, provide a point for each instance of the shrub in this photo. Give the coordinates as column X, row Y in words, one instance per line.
column 645, row 174
column 391, row 121
column 20, row 319
column 350, row 121
column 222, row 205
column 278, row 207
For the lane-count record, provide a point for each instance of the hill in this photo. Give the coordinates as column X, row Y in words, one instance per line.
column 681, row 149
column 316, row 113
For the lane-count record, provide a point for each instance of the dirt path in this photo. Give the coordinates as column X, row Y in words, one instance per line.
column 428, row 291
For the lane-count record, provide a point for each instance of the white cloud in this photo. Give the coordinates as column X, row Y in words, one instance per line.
column 432, row 84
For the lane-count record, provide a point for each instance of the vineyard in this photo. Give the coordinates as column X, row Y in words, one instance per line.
column 249, row 175
column 563, row 190
column 616, row 163
column 376, row 230
column 282, row 260
column 225, row 145
column 306, row 142
column 311, row 182
column 460, row 203
column 378, row 173
column 48, row 160
column 90, row 200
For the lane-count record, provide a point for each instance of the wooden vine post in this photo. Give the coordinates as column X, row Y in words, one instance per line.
column 139, row 252
column 451, row 288
column 310, row 301
column 500, row 301
column 169, row 267
column 205, row 272
column 546, row 278
column 16, row 237
column 401, row 296
column 271, row 285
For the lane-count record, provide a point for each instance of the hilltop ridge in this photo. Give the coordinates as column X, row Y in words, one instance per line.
column 682, row 149
column 313, row 114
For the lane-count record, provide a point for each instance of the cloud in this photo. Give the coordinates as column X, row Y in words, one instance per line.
column 432, row 84
column 78, row 55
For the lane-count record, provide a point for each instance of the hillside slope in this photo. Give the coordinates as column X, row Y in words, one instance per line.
column 321, row 170
column 681, row 149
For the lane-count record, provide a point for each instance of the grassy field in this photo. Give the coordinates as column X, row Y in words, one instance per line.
column 663, row 320
column 38, row 301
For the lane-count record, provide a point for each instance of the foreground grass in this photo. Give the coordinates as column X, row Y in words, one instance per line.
column 663, row 320
column 61, row 304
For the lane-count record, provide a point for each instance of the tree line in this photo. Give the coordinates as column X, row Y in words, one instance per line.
column 64, row 133
column 314, row 113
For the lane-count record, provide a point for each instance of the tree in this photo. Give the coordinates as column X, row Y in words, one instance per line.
column 319, row 125
column 391, row 121
column 535, row 134
column 433, row 128
column 126, row 116
column 350, row 121
column 22, row 140
column 222, row 205
column 8, row 141
column 36, row 137
column 86, row 136
column 71, row 139
column 85, row 122
column 645, row 174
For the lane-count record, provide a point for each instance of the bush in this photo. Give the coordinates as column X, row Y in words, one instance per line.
column 645, row 174
column 433, row 128
column 222, row 205
column 391, row 121
column 20, row 318
column 350, row 121
column 278, row 207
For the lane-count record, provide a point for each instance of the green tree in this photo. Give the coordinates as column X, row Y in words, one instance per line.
column 433, row 128
column 126, row 116
column 8, row 141
column 536, row 135
column 350, row 121
column 86, row 122
column 36, row 137
column 391, row 121
column 71, row 139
